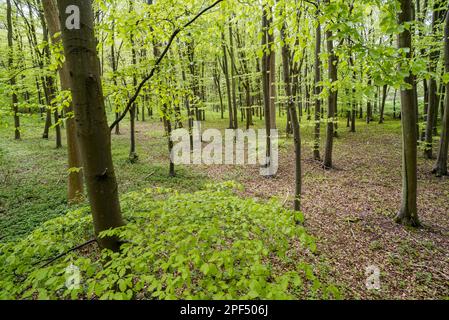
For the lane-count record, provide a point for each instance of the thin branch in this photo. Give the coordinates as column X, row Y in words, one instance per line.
column 156, row 66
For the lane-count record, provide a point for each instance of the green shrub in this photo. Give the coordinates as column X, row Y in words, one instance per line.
column 206, row 245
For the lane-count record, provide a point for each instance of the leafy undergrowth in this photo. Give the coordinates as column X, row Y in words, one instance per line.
column 209, row 244
column 33, row 174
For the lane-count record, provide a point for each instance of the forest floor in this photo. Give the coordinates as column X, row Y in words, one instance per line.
column 349, row 209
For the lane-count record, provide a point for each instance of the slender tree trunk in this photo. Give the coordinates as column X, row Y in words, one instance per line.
column 317, row 92
column 432, row 110
column 233, row 77
column 132, row 112
column 15, row 100
column 187, row 104
column 51, row 88
column 441, row 164
column 382, row 106
column 91, row 124
column 332, row 101
column 114, row 63
column 293, row 118
column 408, row 214
column 376, row 100
column 228, row 81
column 218, row 85
column 352, row 113
column 394, row 103
column 369, row 109
column 266, row 80
column 272, row 73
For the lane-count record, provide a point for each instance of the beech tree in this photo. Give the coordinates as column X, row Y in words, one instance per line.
column 317, row 89
column 408, row 214
column 12, row 79
column 432, row 89
column 75, row 185
column 90, row 117
column 332, row 100
column 286, row 54
column 441, row 164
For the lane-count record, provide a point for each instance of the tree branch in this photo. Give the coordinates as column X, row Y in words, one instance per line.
column 67, row 252
column 156, row 66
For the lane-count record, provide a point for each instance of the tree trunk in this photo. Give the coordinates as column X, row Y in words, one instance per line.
column 432, row 110
column 132, row 112
column 352, row 115
column 382, row 106
column 441, row 164
column 266, row 80
column 50, row 88
column 91, row 124
column 114, row 63
column 272, row 74
column 293, row 118
column 408, row 214
column 317, row 91
column 228, row 81
column 233, row 77
column 15, row 100
column 332, row 101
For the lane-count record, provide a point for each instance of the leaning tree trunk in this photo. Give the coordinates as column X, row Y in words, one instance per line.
column 75, row 188
column 408, row 214
column 15, row 100
column 441, row 165
column 90, row 116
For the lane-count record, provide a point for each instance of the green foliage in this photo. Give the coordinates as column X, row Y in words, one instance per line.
column 207, row 245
